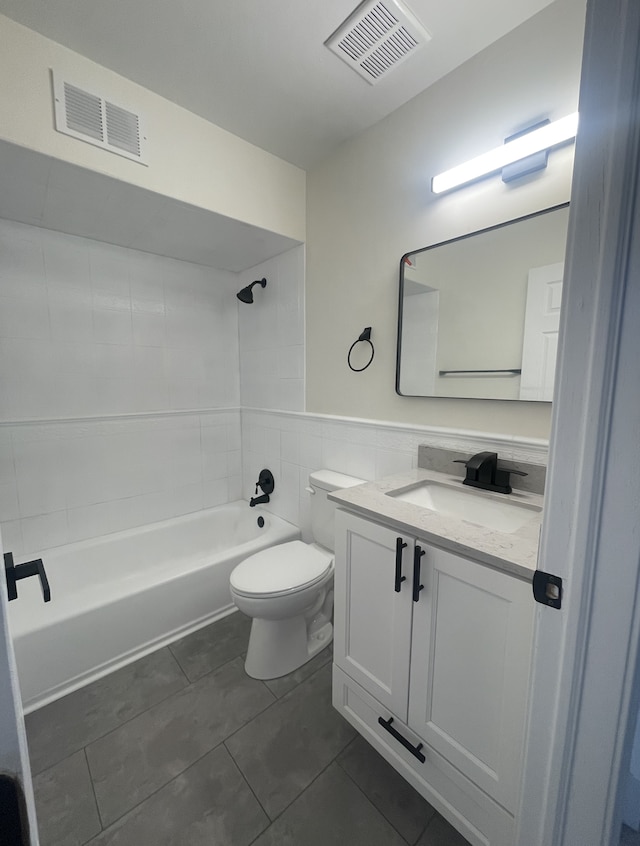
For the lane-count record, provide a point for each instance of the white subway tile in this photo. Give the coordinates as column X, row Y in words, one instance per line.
column 24, row 318
column 310, row 451
column 291, row 362
column 361, row 462
column 71, row 359
column 40, row 473
column 291, row 393
column 216, row 492
column 215, row 466
column 290, row 447
column 184, row 393
column 148, row 362
column 214, row 439
column 271, row 447
column 234, row 488
column 11, row 533
column 234, row 463
column 66, row 259
column 287, row 502
column 91, row 521
column 390, row 462
column 22, row 261
column 71, row 321
column 113, row 360
column 148, row 329
column 234, row 436
column 7, row 472
column 44, row 531
column 190, row 498
column 9, row 507
column 112, row 327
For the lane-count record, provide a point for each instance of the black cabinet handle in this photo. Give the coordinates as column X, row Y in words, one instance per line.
column 15, row 572
column 415, row 750
column 417, row 587
column 400, row 545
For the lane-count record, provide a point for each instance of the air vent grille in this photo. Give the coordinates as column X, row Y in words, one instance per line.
column 84, row 111
column 94, row 119
column 377, row 37
column 123, row 129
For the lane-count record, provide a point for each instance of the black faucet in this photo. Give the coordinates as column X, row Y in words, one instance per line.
column 483, row 472
column 266, row 483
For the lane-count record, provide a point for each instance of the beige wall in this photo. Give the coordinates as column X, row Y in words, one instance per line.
column 370, row 203
column 190, row 159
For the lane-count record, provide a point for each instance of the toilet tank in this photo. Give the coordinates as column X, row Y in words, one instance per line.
column 322, row 509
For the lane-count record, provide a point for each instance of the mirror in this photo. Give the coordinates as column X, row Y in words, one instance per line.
column 479, row 315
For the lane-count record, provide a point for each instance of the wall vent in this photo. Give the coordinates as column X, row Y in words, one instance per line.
column 377, row 37
column 98, row 121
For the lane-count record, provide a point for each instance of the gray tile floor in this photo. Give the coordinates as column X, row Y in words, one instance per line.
column 182, row 748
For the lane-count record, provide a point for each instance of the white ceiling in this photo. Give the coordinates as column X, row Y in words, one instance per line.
column 259, row 68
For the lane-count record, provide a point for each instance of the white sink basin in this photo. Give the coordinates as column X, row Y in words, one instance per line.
column 503, row 516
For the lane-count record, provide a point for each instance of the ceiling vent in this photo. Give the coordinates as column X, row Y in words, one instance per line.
column 377, row 37
column 96, row 120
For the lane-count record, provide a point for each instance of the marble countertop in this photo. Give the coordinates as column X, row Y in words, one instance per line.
column 514, row 552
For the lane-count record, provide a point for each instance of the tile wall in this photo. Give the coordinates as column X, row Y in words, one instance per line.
column 87, row 328
column 102, row 349
column 70, row 480
column 272, row 335
column 291, row 445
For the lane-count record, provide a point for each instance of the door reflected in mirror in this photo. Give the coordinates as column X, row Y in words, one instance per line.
column 479, row 315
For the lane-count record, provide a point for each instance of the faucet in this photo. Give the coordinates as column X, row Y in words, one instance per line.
column 266, row 483
column 483, row 472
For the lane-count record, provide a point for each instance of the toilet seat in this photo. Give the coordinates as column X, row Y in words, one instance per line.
column 281, row 569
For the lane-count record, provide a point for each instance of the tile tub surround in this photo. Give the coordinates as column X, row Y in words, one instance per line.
column 328, row 786
column 271, row 332
column 69, row 480
column 87, row 328
column 514, row 553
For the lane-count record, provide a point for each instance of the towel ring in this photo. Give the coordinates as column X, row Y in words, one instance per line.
column 365, row 336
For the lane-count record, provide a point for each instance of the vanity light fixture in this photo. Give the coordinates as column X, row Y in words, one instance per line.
column 522, row 146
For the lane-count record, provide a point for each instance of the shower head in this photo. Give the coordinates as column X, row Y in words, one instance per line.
column 246, row 294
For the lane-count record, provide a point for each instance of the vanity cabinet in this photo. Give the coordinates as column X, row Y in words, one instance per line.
column 432, row 655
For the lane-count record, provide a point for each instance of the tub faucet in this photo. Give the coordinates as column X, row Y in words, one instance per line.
column 266, row 483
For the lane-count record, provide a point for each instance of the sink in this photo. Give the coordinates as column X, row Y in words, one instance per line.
column 502, row 516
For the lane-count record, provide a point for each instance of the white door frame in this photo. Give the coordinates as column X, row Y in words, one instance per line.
column 14, row 756
column 585, row 654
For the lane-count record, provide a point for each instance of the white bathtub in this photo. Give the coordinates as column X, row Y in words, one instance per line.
column 120, row 596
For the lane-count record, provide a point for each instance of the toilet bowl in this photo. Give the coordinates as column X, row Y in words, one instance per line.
column 288, row 590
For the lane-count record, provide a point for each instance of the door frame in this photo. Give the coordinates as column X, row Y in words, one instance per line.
column 14, row 755
column 583, row 689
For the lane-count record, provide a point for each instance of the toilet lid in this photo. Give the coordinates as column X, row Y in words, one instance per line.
column 288, row 566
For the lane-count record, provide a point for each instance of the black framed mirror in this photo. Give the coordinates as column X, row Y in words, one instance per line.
column 478, row 315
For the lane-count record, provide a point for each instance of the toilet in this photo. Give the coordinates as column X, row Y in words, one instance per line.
column 288, row 590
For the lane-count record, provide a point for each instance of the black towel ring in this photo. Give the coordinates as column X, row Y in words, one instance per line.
column 365, row 336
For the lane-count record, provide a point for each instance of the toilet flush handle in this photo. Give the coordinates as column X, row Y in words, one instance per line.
column 310, row 490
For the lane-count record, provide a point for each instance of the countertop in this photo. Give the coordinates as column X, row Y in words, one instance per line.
column 514, row 553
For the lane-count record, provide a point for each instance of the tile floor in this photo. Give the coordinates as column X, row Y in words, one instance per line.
column 182, row 748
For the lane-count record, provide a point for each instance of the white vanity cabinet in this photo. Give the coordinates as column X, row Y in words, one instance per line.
column 432, row 656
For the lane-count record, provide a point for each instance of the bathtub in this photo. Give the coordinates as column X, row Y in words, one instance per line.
column 118, row 597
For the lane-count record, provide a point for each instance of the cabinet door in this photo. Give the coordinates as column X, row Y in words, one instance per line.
column 372, row 621
column 472, row 634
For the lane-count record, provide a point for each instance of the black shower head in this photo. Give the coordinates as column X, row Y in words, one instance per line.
column 246, row 294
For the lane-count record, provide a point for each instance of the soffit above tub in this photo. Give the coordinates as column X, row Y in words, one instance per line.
column 53, row 194
column 261, row 70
